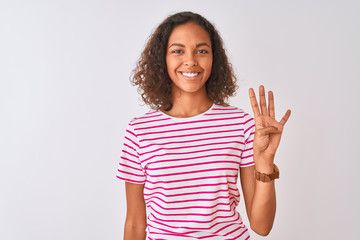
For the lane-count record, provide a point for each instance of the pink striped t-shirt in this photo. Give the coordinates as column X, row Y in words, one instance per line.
column 190, row 168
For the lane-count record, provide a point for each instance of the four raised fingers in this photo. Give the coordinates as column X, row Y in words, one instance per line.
column 270, row 110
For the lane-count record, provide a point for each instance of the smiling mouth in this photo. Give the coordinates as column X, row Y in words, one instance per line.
column 190, row 74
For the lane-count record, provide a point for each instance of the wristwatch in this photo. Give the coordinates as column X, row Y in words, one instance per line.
column 263, row 177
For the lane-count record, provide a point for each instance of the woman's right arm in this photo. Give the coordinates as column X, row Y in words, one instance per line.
column 135, row 223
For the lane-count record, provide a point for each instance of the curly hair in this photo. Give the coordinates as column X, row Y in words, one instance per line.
column 152, row 78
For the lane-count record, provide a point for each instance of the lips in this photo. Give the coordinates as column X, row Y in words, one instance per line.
column 190, row 75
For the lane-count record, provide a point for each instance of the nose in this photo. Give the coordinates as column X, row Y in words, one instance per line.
column 190, row 60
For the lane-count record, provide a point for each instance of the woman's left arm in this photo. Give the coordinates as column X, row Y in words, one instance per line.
column 260, row 197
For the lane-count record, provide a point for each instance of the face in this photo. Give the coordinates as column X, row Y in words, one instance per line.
column 189, row 58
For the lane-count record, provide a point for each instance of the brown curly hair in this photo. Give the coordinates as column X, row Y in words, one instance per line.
column 152, row 78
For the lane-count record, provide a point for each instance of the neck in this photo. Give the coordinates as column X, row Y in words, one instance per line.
column 189, row 104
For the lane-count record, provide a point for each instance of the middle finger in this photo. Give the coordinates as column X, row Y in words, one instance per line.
column 263, row 100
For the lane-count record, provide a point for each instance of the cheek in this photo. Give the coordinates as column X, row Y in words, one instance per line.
column 170, row 64
column 208, row 64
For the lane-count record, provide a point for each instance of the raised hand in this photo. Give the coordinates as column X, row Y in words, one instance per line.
column 267, row 130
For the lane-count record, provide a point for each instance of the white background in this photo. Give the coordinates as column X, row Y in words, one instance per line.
column 65, row 100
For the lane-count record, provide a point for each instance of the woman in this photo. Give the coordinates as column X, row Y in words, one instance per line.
column 182, row 159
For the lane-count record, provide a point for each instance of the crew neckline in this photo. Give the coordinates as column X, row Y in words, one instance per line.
column 189, row 118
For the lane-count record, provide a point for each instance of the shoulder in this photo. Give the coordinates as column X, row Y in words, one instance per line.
column 229, row 109
column 149, row 115
column 233, row 113
column 145, row 122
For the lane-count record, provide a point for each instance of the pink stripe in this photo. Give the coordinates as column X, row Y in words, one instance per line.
column 128, row 153
column 191, row 186
column 246, row 156
column 126, row 145
column 133, row 174
column 127, row 159
column 221, row 229
column 183, row 235
column 247, row 142
column 222, row 113
column 185, row 159
column 193, row 179
column 190, row 172
column 246, row 150
column 191, row 214
column 225, row 109
column 190, row 228
column 190, row 165
column 138, row 169
column 191, row 141
column 247, row 121
column 235, row 231
column 192, row 221
column 156, row 120
column 151, row 112
column 194, row 134
column 170, row 232
column 204, row 150
column 251, row 127
column 193, row 146
column 190, row 122
column 251, row 135
column 246, row 164
column 237, row 237
column 209, row 236
column 193, row 207
column 127, row 130
column 130, row 180
column 199, row 151
column 137, row 145
column 188, row 129
column 145, row 117
column 191, row 193
column 189, row 200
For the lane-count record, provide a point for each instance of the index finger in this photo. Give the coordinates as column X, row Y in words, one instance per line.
column 254, row 103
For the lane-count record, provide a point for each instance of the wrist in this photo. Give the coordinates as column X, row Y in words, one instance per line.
column 266, row 168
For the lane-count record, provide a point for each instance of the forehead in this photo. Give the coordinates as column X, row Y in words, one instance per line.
column 189, row 33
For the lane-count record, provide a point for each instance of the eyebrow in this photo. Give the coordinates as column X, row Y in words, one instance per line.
column 202, row 44
column 182, row 45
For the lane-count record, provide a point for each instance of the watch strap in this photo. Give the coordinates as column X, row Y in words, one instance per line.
column 263, row 177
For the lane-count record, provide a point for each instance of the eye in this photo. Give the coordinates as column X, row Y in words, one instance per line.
column 176, row 51
column 202, row 51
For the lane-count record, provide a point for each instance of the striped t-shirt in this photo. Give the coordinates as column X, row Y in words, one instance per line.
column 190, row 168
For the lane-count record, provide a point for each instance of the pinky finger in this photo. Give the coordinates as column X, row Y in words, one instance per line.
column 285, row 117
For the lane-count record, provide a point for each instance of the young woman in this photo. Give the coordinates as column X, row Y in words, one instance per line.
column 181, row 160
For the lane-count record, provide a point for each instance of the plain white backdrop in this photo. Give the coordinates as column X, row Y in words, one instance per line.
column 65, row 100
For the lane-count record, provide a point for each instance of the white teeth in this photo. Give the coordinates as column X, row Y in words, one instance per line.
column 190, row 74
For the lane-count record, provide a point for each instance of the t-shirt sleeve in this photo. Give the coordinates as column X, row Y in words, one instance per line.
column 130, row 168
column 247, row 158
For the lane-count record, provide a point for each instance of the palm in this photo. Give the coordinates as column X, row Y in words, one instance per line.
column 267, row 130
